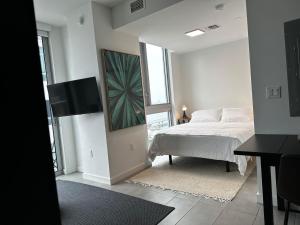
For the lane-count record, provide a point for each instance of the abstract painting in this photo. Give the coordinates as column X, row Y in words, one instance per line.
column 124, row 89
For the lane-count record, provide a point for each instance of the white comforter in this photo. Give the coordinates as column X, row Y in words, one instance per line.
column 205, row 140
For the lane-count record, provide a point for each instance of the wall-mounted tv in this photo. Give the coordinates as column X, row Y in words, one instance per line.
column 75, row 97
column 292, row 45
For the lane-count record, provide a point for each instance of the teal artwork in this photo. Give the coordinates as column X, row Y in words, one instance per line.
column 124, row 89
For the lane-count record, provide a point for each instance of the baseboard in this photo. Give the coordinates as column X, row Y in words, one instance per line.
column 122, row 176
column 68, row 171
column 96, row 178
column 79, row 169
column 117, row 178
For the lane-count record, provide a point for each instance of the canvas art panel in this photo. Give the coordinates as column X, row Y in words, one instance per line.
column 124, row 89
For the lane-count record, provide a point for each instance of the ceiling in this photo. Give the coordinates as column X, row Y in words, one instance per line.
column 166, row 28
column 53, row 11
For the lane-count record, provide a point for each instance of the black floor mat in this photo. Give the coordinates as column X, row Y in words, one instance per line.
column 82, row 204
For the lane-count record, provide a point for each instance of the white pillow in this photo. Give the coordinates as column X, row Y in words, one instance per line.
column 237, row 115
column 208, row 115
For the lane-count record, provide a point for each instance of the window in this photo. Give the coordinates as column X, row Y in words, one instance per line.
column 156, row 75
column 46, row 67
column 156, row 88
column 156, row 122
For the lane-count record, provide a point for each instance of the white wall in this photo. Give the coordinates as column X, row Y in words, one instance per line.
column 89, row 129
column 268, row 66
column 127, row 147
column 101, row 155
column 268, row 63
column 216, row 77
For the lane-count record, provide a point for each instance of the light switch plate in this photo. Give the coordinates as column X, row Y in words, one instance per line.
column 273, row 92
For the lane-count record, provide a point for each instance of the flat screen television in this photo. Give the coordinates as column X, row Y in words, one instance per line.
column 75, row 97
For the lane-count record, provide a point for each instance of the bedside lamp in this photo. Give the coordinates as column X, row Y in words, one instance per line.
column 184, row 108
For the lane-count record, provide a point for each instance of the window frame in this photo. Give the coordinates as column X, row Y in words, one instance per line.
column 44, row 35
column 156, row 108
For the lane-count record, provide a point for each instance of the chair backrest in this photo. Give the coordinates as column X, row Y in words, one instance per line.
column 289, row 178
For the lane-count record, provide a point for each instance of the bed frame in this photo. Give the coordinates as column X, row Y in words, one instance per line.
column 227, row 164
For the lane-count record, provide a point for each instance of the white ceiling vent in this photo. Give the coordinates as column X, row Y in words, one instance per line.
column 213, row 27
column 137, row 5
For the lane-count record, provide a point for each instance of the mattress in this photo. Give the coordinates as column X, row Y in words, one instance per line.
column 214, row 140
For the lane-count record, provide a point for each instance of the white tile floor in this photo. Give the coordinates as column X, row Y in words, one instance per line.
column 191, row 210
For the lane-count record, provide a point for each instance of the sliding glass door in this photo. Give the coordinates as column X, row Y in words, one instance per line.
column 43, row 43
column 156, row 88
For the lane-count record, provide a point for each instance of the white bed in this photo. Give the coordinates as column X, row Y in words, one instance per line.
column 211, row 140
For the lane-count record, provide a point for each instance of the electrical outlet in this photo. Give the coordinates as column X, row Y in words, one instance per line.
column 273, row 92
column 92, row 153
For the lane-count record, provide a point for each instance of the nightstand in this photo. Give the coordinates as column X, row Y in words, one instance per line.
column 183, row 120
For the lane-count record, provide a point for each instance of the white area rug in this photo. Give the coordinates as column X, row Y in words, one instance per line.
column 200, row 177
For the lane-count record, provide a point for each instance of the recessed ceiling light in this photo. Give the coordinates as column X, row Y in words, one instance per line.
column 194, row 33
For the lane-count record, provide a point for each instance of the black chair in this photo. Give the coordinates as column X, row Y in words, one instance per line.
column 288, row 186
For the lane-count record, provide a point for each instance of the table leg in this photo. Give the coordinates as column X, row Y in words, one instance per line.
column 267, row 192
column 280, row 201
column 227, row 166
column 170, row 160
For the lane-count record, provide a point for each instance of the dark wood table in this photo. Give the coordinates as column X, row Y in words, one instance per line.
column 269, row 148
